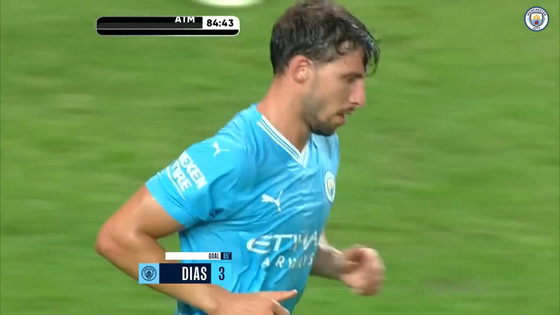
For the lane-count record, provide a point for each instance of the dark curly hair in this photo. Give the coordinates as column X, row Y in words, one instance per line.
column 321, row 31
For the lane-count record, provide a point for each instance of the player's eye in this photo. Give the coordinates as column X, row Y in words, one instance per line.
column 351, row 79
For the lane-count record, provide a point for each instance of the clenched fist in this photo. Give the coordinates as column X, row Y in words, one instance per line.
column 364, row 271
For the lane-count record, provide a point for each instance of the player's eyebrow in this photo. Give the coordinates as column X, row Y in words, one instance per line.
column 353, row 75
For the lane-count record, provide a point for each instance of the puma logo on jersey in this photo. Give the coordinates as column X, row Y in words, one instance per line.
column 217, row 147
column 266, row 198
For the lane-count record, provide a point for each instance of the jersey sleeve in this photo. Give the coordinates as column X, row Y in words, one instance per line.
column 202, row 182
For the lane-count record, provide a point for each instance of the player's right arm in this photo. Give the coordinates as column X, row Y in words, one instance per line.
column 129, row 237
column 161, row 208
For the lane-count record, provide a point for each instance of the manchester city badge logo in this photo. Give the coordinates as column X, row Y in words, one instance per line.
column 149, row 273
column 330, row 186
column 536, row 19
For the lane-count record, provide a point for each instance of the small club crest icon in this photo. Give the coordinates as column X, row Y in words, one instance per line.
column 330, row 186
column 149, row 273
column 536, row 19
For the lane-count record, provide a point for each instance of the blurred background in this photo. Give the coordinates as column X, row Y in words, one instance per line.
column 451, row 171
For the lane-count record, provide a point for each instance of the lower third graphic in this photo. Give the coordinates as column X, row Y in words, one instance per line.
column 218, row 272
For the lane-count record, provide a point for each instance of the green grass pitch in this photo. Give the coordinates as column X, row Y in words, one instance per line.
column 451, row 171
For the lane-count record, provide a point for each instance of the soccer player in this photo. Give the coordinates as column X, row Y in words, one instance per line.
column 262, row 187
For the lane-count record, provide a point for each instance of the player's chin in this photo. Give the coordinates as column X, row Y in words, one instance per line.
column 339, row 120
column 325, row 128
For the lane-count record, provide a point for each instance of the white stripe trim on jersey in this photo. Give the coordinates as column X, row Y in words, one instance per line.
column 281, row 137
column 301, row 158
column 273, row 132
column 305, row 156
column 278, row 141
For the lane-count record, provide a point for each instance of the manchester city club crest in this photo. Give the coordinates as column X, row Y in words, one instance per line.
column 149, row 273
column 330, row 186
column 536, row 19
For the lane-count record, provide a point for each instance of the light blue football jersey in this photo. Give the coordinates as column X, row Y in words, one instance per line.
column 249, row 191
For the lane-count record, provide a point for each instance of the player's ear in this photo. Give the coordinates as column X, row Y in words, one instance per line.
column 300, row 69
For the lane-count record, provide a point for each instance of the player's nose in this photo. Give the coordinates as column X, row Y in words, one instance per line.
column 358, row 95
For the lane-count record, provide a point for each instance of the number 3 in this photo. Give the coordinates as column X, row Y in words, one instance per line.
column 221, row 276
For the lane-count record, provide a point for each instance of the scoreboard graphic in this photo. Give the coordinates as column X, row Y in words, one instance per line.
column 168, row 26
column 210, row 267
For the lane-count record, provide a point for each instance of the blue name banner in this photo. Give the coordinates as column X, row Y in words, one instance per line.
column 218, row 273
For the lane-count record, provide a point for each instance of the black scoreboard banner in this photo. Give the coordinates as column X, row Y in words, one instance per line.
column 168, row 26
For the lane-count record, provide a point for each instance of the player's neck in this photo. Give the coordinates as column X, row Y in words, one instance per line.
column 282, row 110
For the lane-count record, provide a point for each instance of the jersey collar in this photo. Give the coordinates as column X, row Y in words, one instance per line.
column 300, row 157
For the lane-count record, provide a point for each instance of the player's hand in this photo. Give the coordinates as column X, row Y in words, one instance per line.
column 260, row 303
column 364, row 271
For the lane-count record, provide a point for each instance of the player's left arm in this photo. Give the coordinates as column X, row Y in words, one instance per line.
column 359, row 267
column 329, row 262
